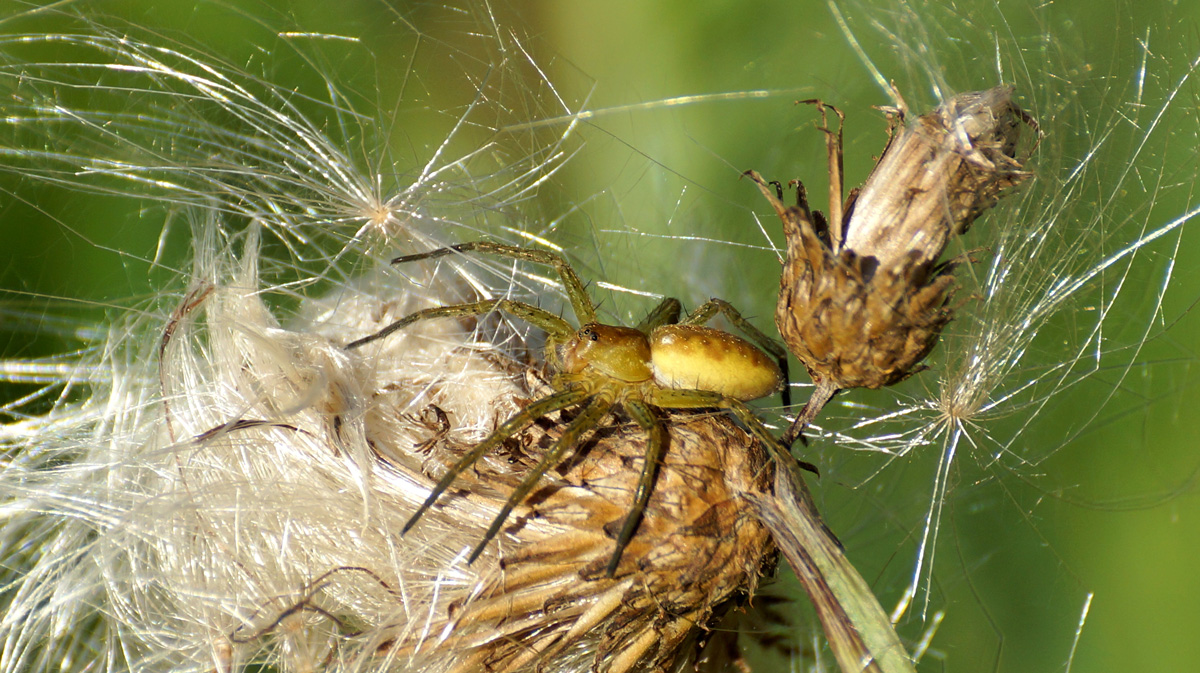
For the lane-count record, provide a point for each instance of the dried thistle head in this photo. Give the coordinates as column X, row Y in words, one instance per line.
column 935, row 177
column 293, row 464
column 547, row 600
column 560, row 483
column 862, row 298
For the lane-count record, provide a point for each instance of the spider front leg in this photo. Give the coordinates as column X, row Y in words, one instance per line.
column 585, row 312
column 536, row 410
column 559, row 330
column 711, row 307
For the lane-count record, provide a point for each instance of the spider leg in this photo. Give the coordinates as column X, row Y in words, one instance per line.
column 580, row 302
column 644, row 417
column 585, row 421
column 711, row 307
column 558, row 329
column 666, row 313
column 529, row 414
column 671, row 398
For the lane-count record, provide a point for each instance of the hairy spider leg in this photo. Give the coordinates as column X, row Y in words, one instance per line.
column 711, row 307
column 666, row 313
column 596, row 409
column 669, row 398
column 513, row 425
column 558, row 329
column 642, row 414
column 585, row 312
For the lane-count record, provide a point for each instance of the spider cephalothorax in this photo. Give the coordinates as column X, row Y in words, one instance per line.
column 663, row 362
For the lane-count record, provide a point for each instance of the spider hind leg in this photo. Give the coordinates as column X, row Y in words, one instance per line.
column 668, row 398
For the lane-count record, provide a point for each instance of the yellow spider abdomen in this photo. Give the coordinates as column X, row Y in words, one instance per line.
column 702, row 358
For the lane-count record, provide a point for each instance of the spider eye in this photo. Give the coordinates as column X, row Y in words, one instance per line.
column 591, row 334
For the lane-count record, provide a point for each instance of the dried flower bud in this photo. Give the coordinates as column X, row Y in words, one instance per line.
column 862, row 299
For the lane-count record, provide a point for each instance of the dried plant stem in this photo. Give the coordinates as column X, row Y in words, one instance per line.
column 859, row 631
column 823, row 391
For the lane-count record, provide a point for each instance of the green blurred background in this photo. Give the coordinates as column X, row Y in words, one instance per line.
column 653, row 202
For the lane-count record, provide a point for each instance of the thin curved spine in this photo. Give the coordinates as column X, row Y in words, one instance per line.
column 833, row 145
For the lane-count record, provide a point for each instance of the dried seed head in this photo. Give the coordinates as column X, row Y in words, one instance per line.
column 862, row 301
column 698, row 550
column 273, row 471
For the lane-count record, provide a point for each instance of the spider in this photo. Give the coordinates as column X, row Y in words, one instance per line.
column 663, row 363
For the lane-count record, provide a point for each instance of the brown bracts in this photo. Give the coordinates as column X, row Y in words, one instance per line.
column 698, row 556
column 547, row 602
column 862, row 297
